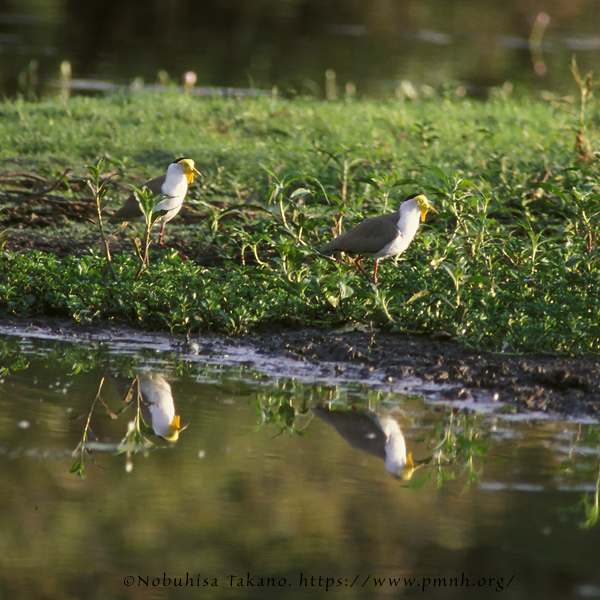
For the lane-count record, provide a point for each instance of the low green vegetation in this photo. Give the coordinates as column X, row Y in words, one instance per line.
column 510, row 263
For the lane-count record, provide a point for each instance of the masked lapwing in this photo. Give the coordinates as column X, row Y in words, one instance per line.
column 375, row 433
column 154, row 396
column 173, row 186
column 158, row 406
column 383, row 236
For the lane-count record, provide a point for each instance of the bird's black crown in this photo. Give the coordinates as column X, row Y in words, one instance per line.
column 412, row 196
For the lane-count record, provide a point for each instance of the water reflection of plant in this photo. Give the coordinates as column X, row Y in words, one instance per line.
column 587, row 466
column 458, row 444
column 138, row 431
column 139, row 435
column 591, row 504
column 285, row 405
column 82, row 449
column 10, row 360
column 459, row 440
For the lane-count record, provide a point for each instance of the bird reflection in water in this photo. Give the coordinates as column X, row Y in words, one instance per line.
column 378, row 434
column 156, row 403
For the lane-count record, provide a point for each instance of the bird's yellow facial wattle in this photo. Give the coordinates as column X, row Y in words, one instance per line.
column 409, row 468
column 189, row 168
column 174, row 429
column 424, row 206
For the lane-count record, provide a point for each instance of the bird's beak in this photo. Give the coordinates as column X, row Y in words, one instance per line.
column 425, row 209
column 189, row 169
column 190, row 174
column 409, row 468
column 174, row 430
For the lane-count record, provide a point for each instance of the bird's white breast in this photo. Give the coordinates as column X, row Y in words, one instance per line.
column 175, row 188
column 407, row 225
column 395, row 445
column 156, row 391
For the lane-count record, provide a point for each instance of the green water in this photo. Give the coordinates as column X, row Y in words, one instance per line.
column 275, row 488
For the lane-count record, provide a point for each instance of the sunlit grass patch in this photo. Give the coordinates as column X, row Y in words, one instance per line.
column 510, row 262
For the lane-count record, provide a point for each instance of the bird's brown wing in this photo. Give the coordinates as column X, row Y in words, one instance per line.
column 367, row 237
column 357, row 428
column 131, row 208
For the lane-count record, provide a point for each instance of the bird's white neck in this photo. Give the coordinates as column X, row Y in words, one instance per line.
column 408, row 222
column 395, row 445
column 175, row 181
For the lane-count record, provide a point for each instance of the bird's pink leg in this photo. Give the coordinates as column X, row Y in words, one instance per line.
column 359, row 267
column 375, row 272
column 160, row 236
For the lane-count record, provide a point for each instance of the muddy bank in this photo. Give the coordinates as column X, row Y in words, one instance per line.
column 556, row 384
column 436, row 367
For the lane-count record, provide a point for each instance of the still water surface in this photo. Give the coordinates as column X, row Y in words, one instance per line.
column 321, row 47
column 276, row 482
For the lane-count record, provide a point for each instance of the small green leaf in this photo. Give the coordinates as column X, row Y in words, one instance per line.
column 418, row 295
column 157, row 215
column 77, row 468
column 300, row 193
column 418, row 483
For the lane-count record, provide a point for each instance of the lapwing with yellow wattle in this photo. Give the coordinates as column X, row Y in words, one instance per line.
column 172, row 186
column 152, row 393
column 158, row 406
column 376, row 433
column 382, row 236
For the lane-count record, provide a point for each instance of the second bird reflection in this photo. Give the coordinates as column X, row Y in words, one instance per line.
column 378, row 434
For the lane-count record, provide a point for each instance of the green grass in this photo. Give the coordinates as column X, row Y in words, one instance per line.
column 511, row 262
